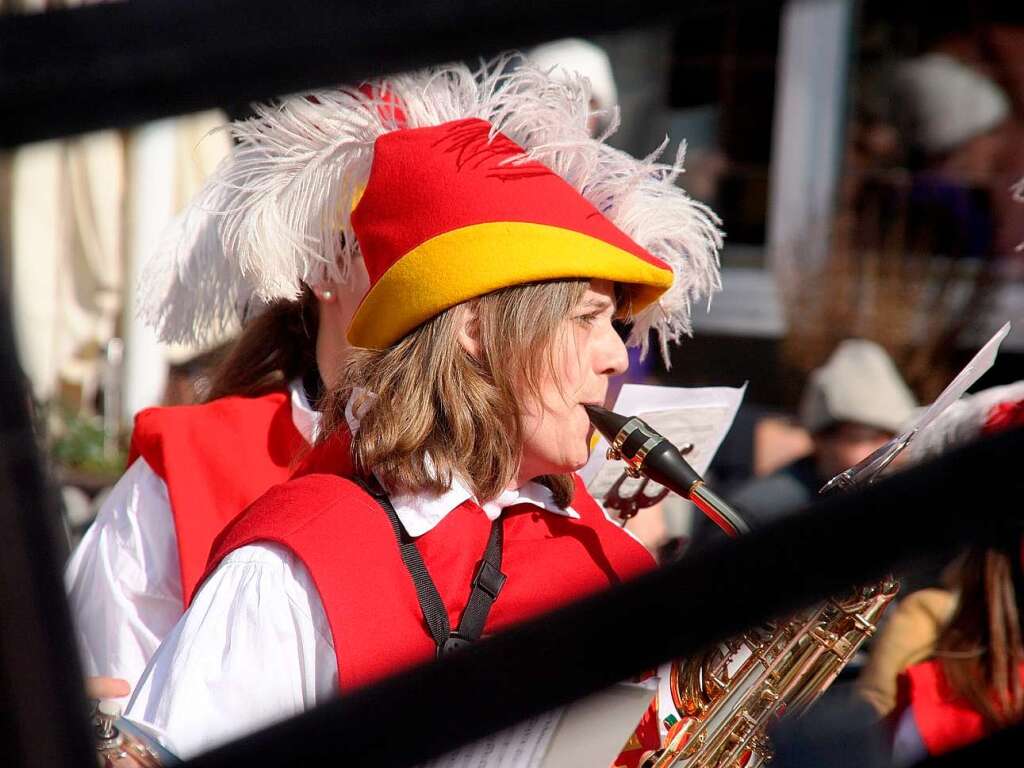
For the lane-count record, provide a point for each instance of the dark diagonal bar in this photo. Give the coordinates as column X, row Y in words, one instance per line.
column 115, row 64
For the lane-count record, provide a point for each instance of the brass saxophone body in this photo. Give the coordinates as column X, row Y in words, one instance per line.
column 724, row 699
column 727, row 697
column 119, row 744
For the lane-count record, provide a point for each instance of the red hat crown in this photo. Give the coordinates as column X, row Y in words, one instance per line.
column 455, row 211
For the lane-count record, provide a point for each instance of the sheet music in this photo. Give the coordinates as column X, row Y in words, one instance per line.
column 594, row 730
column 698, row 416
column 971, row 372
column 869, row 468
column 591, row 731
column 521, row 746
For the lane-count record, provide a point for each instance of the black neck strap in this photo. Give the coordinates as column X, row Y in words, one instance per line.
column 487, row 581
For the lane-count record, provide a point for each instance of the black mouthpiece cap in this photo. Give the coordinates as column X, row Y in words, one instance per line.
column 606, row 422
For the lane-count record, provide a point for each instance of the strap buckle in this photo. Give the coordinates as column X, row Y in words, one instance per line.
column 454, row 642
column 488, row 579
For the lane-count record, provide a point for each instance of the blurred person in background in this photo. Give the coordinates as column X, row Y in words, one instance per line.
column 190, row 372
column 760, row 442
column 973, row 682
column 193, row 468
column 850, row 407
column 920, row 624
column 574, row 56
column 991, row 45
column 953, row 120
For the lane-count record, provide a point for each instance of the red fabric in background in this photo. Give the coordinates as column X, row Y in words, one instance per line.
column 215, row 459
column 944, row 721
column 345, row 540
column 1004, row 416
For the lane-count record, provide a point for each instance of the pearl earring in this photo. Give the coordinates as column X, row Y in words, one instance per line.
column 328, row 294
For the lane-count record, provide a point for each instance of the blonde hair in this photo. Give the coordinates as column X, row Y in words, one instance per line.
column 433, row 399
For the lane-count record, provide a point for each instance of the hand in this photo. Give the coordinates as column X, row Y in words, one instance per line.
column 649, row 526
column 106, row 687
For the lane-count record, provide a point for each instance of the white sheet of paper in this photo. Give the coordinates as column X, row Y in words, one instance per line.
column 588, row 732
column 521, row 746
column 868, row 469
column 700, row 416
column 594, row 730
column 971, row 372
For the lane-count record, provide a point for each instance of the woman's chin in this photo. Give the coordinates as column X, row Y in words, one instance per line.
column 580, row 460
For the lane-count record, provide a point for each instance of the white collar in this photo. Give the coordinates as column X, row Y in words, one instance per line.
column 304, row 417
column 420, row 512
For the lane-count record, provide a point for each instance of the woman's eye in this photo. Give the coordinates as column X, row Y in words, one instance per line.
column 586, row 320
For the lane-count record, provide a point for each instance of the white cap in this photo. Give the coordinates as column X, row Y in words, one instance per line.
column 859, row 383
column 942, row 102
column 575, row 55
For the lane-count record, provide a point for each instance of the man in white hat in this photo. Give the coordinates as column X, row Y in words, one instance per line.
column 950, row 114
column 850, row 406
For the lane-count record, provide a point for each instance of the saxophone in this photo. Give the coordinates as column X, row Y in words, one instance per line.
column 120, row 744
column 724, row 699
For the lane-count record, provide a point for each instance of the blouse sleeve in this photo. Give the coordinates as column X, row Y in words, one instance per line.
column 123, row 580
column 253, row 648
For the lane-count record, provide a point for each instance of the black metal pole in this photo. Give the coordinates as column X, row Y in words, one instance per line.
column 42, row 714
column 114, row 64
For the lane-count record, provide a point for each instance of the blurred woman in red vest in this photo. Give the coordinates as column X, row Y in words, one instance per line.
column 193, row 468
column 502, row 243
column 973, row 684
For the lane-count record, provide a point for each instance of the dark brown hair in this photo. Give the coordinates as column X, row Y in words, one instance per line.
column 275, row 347
column 981, row 649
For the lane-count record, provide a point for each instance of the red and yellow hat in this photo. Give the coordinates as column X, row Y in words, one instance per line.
column 450, row 184
column 446, row 216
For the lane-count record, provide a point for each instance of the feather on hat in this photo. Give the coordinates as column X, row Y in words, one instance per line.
column 276, row 214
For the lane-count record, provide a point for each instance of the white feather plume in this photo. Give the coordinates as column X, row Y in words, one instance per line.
column 276, row 214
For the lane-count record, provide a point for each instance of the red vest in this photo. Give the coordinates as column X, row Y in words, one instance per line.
column 215, row 460
column 945, row 721
column 345, row 540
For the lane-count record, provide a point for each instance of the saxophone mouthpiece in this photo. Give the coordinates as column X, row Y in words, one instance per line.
column 607, row 423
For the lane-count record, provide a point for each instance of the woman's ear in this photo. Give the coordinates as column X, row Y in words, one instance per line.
column 468, row 330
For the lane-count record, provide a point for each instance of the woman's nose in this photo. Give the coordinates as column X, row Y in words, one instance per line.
column 614, row 359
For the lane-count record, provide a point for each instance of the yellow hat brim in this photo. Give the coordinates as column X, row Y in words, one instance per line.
column 475, row 260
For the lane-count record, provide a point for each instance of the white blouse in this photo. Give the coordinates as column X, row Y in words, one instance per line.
column 255, row 647
column 123, row 580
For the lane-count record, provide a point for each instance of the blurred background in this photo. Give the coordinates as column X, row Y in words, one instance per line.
column 862, row 157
